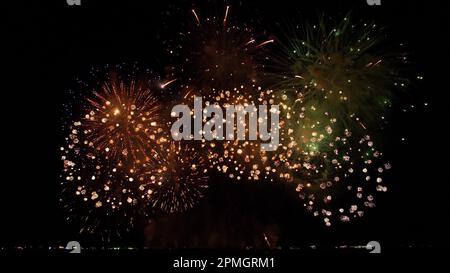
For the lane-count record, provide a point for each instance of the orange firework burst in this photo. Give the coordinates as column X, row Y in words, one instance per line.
column 183, row 179
column 337, row 172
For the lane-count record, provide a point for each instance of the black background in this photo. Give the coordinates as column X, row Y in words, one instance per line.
column 52, row 44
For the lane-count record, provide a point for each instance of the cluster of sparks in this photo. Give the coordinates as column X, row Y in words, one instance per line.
column 123, row 122
column 240, row 159
column 118, row 160
column 118, row 157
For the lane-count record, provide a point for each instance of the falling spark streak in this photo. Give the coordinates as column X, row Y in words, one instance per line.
column 209, row 45
column 362, row 124
column 184, row 179
column 250, row 42
column 196, row 17
column 264, row 43
column 378, row 62
column 187, row 94
column 163, row 85
column 298, row 76
column 226, row 15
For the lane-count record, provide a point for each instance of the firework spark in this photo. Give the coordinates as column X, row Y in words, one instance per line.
column 332, row 85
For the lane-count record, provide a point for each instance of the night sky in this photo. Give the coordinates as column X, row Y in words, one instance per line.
column 54, row 44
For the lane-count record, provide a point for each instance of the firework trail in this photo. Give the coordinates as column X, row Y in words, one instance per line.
column 342, row 67
column 184, row 179
column 214, row 53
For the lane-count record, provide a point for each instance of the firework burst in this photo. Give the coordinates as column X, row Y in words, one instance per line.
column 122, row 121
column 239, row 159
column 334, row 83
column 348, row 176
column 109, row 156
column 342, row 67
column 337, row 172
column 183, row 179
